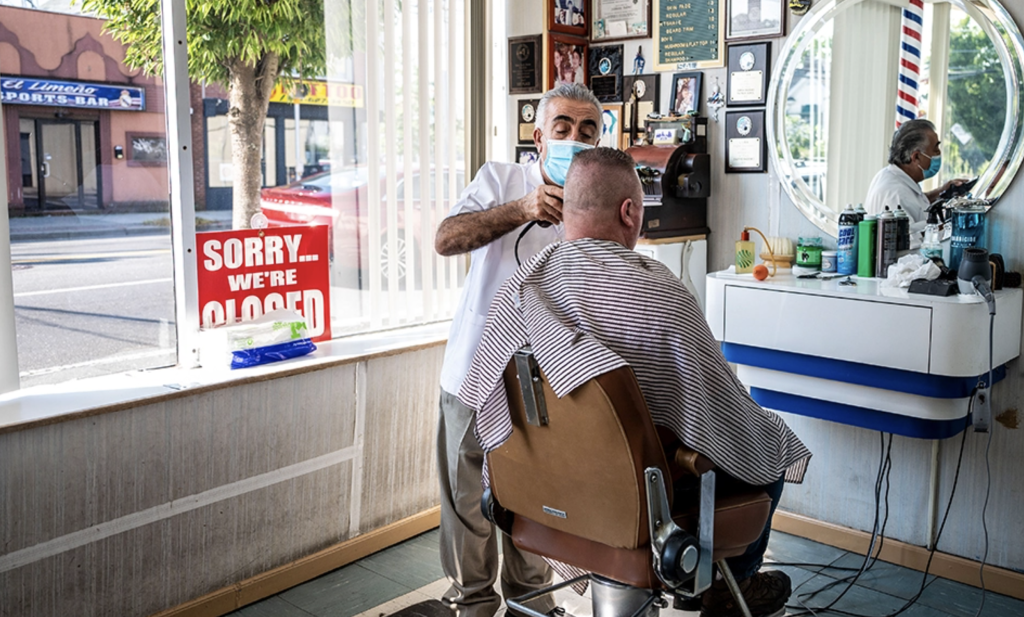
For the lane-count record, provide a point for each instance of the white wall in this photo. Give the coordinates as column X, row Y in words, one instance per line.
column 840, row 483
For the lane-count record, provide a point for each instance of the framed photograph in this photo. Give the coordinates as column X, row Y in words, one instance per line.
column 568, row 16
column 748, row 73
column 746, row 149
column 526, row 119
column 647, row 89
column 567, row 60
column 605, row 73
column 611, row 126
column 526, row 155
column 686, row 93
column 525, row 64
column 147, row 149
column 617, row 20
column 759, row 19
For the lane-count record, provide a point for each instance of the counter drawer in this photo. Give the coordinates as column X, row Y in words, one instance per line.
column 879, row 333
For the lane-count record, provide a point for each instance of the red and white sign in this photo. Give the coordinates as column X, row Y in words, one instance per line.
column 246, row 273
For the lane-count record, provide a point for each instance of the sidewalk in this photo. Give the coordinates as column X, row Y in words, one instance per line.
column 24, row 229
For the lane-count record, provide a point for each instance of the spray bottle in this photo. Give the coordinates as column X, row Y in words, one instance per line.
column 744, row 254
column 931, row 246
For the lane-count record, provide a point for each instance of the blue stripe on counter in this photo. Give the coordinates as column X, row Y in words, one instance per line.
column 921, row 384
column 859, row 416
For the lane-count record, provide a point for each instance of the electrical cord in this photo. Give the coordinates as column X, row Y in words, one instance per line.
column 931, row 554
column 988, row 465
column 523, row 233
column 884, row 469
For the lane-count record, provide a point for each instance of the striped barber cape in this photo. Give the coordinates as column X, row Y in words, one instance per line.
column 590, row 306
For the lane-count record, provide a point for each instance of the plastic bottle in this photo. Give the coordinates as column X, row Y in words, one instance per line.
column 885, row 251
column 866, row 229
column 902, row 229
column 846, row 244
column 744, row 254
column 931, row 246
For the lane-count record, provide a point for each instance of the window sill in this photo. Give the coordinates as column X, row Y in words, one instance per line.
column 50, row 404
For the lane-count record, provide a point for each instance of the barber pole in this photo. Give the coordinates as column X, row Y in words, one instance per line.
column 910, row 62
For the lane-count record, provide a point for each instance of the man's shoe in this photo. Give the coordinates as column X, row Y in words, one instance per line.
column 765, row 593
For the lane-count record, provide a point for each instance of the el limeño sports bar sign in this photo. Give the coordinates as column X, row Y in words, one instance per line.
column 28, row 91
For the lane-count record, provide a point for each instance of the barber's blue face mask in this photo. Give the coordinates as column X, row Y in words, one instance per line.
column 558, row 156
column 933, row 167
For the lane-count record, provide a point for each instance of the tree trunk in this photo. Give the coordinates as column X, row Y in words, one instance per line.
column 248, row 97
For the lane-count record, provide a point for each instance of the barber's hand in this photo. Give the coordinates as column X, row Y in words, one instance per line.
column 954, row 182
column 543, row 204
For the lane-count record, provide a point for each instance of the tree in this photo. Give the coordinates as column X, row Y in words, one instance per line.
column 244, row 45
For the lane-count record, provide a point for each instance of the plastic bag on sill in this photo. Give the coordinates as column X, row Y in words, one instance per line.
column 278, row 335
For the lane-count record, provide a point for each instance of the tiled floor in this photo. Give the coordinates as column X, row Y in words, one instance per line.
column 410, row 573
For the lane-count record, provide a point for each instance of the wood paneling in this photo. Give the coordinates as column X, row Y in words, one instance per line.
column 152, row 506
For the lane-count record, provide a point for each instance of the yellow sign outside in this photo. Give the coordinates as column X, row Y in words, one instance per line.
column 306, row 92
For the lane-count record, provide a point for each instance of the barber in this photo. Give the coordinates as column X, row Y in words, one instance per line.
column 914, row 156
column 491, row 215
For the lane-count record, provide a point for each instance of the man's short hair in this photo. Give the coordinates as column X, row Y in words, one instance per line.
column 912, row 136
column 572, row 92
column 602, row 189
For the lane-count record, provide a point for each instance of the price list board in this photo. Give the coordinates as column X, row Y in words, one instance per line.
column 688, row 34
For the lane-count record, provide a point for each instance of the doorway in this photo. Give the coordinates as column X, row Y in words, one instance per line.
column 59, row 164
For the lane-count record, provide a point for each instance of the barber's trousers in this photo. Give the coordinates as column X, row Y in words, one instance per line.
column 469, row 544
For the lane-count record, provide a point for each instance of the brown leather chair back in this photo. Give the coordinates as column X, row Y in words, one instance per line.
column 582, row 473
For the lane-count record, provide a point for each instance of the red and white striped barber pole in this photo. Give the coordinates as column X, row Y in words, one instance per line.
column 910, row 62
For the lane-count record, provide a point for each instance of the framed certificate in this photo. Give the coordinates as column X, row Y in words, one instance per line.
column 616, row 20
column 647, row 90
column 605, row 71
column 750, row 20
column 748, row 74
column 568, row 16
column 525, row 65
column 746, row 149
column 526, row 118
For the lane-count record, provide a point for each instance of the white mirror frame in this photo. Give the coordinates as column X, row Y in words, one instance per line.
column 1006, row 161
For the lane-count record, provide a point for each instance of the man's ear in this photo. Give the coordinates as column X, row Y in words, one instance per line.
column 626, row 213
column 537, row 135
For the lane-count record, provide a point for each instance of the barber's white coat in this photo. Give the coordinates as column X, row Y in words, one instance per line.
column 491, row 265
column 891, row 187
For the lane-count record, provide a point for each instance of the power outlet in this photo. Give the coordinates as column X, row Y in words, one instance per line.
column 982, row 410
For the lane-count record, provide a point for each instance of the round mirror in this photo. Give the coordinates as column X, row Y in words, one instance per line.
column 832, row 100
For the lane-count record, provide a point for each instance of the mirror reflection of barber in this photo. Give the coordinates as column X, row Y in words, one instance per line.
column 914, row 156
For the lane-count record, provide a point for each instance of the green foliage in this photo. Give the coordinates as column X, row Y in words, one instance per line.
column 976, row 95
column 221, row 33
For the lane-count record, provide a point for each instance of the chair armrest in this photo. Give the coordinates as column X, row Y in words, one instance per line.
column 688, row 461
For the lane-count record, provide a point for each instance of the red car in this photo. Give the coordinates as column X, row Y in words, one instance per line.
column 339, row 200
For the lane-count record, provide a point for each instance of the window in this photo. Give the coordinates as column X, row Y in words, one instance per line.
column 88, row 205
column 376, row 143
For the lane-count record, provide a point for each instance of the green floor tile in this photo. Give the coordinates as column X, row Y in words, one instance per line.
column 884, row 577
column 793, row 549
column 413, row 564
column 963, row 600
column 344, row 592
column 273, row 606
column 857, row 600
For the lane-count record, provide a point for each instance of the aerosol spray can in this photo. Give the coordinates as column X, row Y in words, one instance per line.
column 846, row 244
column 867, row 230
column 902, row 230
column 886, row 250
column 861, row 213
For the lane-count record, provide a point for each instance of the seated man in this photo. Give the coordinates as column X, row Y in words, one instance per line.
column 591, row 304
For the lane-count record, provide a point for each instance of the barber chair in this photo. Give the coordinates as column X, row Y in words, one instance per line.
column 586, row 480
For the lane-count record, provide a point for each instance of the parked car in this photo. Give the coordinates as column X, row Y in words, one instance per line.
column 339, row 199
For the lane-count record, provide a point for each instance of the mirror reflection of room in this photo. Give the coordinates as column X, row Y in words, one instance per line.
column 840, row 105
